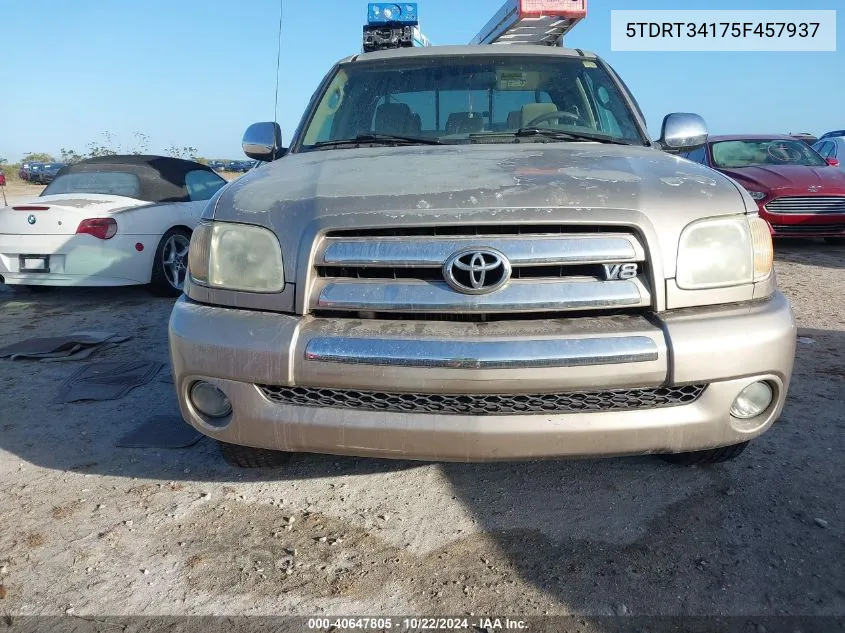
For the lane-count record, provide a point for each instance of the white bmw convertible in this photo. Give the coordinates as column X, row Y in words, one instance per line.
column 109, row 221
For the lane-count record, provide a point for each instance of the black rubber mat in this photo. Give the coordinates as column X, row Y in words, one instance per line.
column 107, row 380
column 75, row 346
column 161, row 431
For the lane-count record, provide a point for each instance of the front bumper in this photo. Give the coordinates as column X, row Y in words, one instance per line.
column 797, row 225
column 243, row 352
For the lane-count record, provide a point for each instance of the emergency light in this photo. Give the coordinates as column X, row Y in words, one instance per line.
column 392, row 25
column 393, row 13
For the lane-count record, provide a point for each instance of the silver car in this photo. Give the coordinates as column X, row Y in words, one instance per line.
column 477, row 253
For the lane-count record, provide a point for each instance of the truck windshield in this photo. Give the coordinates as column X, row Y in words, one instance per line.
column 464, row 99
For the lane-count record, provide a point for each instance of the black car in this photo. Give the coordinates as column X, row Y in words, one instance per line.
column 46, row 173
column 49, row 172
column 35, row 172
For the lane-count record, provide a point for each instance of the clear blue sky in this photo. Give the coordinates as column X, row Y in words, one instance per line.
column 197, row 72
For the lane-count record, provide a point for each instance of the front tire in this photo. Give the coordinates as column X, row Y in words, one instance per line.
column 705, row 458
column 170, row 265
column 249, row 457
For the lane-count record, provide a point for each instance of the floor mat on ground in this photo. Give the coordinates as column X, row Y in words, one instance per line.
column 107, row 380
column 75, row 346
column 161, row 431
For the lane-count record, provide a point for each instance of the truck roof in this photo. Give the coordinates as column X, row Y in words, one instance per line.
column 469, row 50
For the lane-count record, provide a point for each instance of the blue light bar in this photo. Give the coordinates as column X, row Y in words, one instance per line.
column 393, row 13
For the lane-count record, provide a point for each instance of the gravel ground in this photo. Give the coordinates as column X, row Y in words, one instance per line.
column 87, row 528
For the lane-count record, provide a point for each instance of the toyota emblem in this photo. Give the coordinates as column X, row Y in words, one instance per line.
column 31, row 219
column 477, row 271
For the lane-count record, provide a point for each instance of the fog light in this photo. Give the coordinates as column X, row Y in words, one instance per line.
column 752, row 401
column 209, row 400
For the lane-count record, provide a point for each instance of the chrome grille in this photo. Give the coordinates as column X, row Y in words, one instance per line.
column 554, row 269
column 480, row 404
column 807, row 204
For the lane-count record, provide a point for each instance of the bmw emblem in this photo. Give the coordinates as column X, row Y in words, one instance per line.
column 31, row 219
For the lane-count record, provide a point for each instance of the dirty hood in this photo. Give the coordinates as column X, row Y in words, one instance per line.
column 304, row 194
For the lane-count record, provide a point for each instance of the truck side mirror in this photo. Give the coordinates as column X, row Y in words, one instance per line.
column 263, row 141
column 683, row 132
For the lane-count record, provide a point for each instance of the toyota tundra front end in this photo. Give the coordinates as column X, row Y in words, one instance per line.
column 473, row 254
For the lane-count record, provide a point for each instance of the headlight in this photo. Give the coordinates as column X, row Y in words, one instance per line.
column 757, row 195
column 236, row 257
column 722, row 252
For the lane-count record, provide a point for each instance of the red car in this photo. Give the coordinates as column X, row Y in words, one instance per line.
column 799, row 193
column 2, row 179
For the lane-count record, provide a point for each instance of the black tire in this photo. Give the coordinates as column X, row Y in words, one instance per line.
column 249, row 457
column 33, row 289
column 705, row 458
column 836, row 241
column 160, row 279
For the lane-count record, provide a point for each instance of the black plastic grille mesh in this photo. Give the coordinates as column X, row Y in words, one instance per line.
column 482, row 404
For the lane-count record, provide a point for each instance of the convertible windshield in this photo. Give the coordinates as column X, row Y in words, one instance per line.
column 749, row 153
column 465, row 99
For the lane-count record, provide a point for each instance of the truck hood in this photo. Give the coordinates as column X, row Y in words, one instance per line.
column 784, row 180
column 304, row 194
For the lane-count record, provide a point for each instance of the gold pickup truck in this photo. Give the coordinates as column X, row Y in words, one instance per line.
column 478, row 253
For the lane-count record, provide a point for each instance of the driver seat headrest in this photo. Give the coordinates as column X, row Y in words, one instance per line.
column 394, row 118
column 531, row 111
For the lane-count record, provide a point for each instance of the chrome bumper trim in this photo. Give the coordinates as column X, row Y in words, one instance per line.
column 582, row 352
column 517, row 296
column 530, row 250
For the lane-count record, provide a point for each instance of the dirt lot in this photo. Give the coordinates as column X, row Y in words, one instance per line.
column 18, row 191
column 87, row 528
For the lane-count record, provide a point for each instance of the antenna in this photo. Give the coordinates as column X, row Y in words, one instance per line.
column 278, row 63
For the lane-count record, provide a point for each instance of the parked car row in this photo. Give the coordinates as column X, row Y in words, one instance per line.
column 236, row 166
column 799, row 189
column 40, row 173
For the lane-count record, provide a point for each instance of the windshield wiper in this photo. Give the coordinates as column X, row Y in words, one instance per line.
column 560, row 135
column 387, row 139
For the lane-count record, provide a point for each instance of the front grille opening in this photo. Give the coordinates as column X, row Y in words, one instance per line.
column 808, row 228
column 807, row 204
column 483, row 230
column 593, row 272
column 481, row 404
column 478, row 317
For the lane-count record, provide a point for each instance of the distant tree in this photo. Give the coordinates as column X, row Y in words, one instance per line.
column 104, row 148
column 3, row 160
column 182, row 152
column 70, row 156
column 199, row 159
column 142, row 144
column 38, row 157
